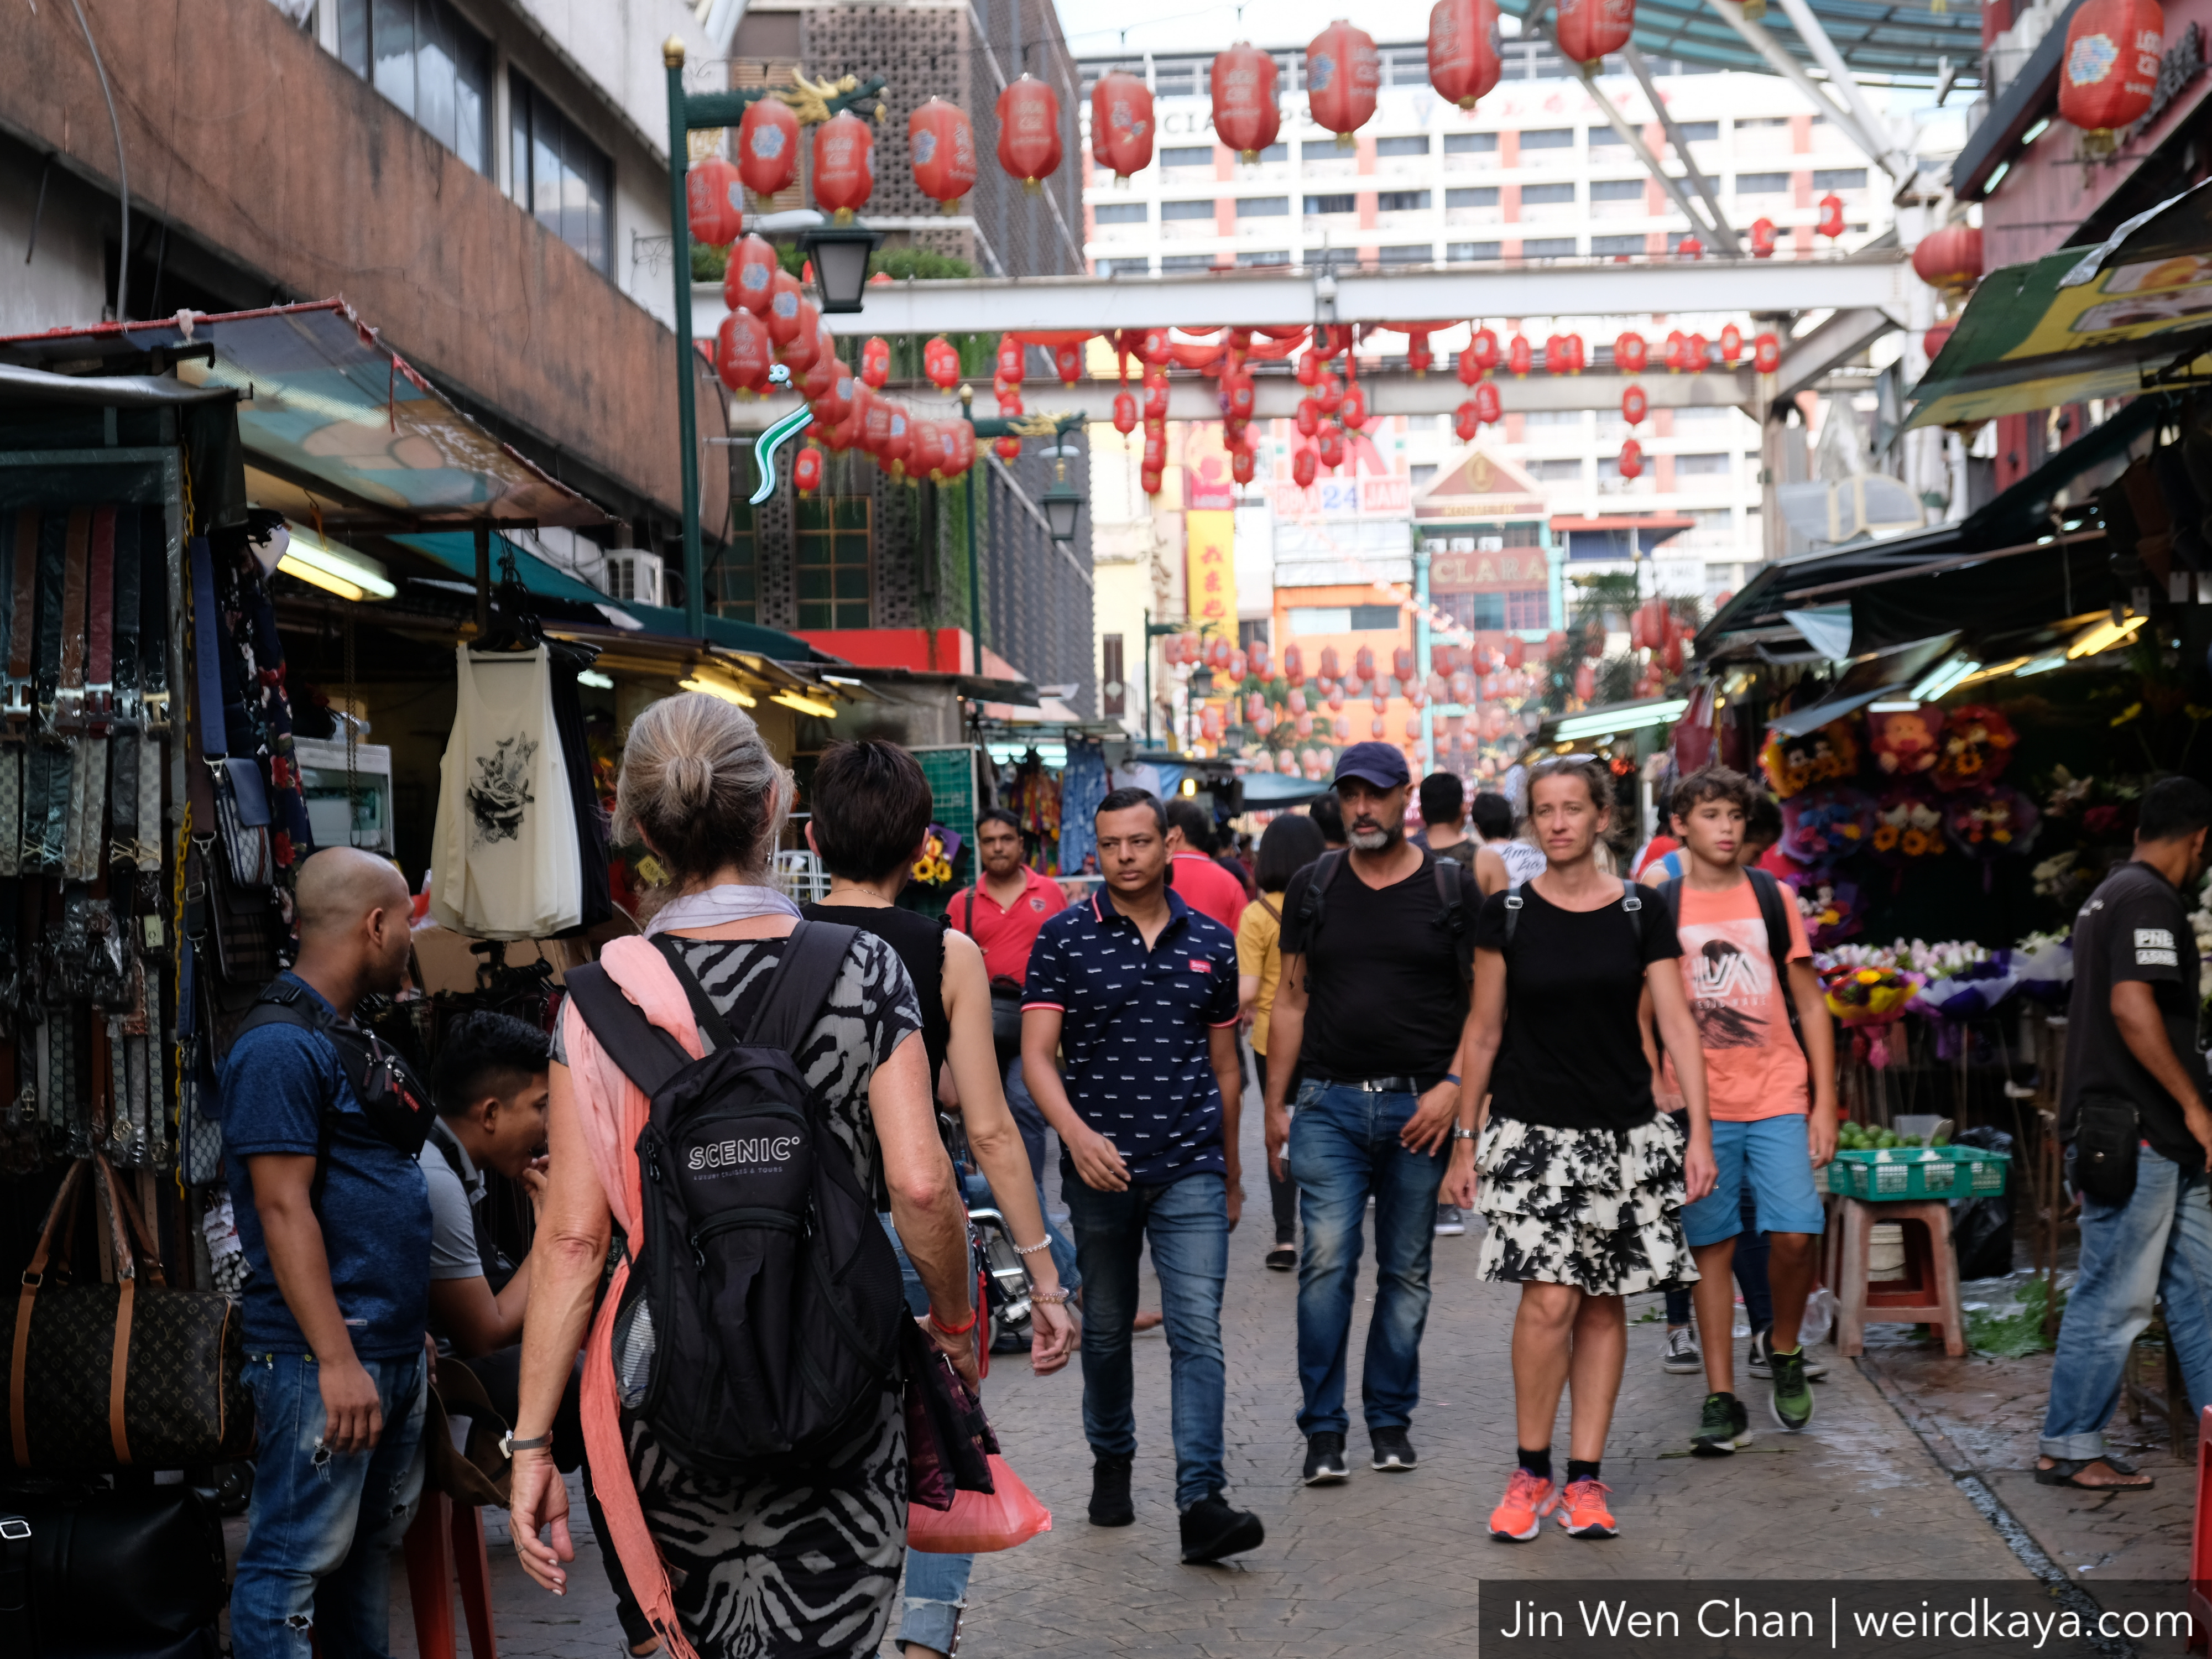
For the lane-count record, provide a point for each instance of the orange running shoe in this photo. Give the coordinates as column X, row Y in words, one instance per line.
column 1529, row 1499
column 1582, row 1512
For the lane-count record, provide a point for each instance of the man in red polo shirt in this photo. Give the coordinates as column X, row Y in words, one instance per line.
column 1202, row 885
column 1002, row 914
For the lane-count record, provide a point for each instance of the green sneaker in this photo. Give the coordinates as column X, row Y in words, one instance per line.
column 1723, row 1426
column 1792, row 1398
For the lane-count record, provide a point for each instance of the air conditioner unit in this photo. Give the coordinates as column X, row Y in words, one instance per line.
column 634, row 576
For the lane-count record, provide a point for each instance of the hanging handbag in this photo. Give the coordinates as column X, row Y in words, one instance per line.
column 111, row 1573
column 103, row 1376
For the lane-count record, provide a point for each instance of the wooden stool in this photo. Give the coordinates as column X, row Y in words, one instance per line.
column 1929, row 1293
column 442, row 1533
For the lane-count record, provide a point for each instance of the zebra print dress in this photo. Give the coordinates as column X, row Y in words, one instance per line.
column 788, row 1563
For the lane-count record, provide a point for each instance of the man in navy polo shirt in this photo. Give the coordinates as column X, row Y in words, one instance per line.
column 1141, row 992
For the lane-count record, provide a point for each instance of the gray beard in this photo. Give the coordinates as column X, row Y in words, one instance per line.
column 1375, row 841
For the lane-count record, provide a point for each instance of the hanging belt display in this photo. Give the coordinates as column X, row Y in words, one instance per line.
column 84, row 837
column 19, row 571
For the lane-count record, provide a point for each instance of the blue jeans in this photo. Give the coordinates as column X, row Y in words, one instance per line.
column 2158, row 1244
column 1029, row 1117
column 1344, row 1146
column 1186, row 1222
column 321, row 1527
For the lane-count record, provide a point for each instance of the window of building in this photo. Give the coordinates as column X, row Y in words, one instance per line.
column 1761, row 184
column 1548, row 247
column 1186, row 262
column 1262, row 207
column 1607, row 189
column 1528, row 607
column 1559, row 471
column 1418, row 144
column 1470, row 252
column 1700, row 464
column 1407, row 254
column 1607, row 138
column 1406, row 66
column 1345, row 203
column 1121, row 213
column 1537, row 417
column 565, row 182
column 1275, row 255
column 1172, row 211
column 1698, row 133
column 1344, row 619
column 1839, row 179
column 1613, row 247
column 1549, row 138
column 1746, row 125
column 1177, row 81
column 420, row 54
column 1112, row 691
column 1124, row 267
column 833, row 561
column 1275, row 153
column 1545, row 194
column 1470, row 143
column 1476, row 196
column 1423, row 473
column 1524, row 535
column 1375, row 618
column 1401, row 201
column 1188, row 156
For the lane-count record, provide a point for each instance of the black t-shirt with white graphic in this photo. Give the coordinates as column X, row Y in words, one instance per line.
column 2133, row 927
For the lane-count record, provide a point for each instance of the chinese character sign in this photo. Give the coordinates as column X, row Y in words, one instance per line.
column 1212, row 568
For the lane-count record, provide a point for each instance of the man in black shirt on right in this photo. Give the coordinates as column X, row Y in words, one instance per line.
column 2135, row 1095
column 1376, row 944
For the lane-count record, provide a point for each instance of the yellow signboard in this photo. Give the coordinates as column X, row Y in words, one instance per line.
column 1212, row 569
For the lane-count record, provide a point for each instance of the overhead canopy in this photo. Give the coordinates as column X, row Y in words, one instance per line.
column 1811, row 717
column 457, row 552
column 1879, row 41
column 2074, row 325
column 324, row 406
column 1268, row 792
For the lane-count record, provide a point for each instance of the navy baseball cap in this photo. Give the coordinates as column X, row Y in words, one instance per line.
column 1377, row 764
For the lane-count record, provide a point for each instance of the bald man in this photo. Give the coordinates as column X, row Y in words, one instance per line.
column 335, row 1216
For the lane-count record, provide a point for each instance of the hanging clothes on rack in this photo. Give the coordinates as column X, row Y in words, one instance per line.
column 1035, row 800
column 505, row 852
column 1082, row 786
column 593, row 829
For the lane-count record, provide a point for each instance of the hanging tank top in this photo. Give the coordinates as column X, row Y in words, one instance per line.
column 919, row 940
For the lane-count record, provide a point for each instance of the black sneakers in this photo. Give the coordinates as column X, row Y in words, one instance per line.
column 1109, row 1494
column 1212, row 1531
column 1325, row 1459
column 1394, row 1453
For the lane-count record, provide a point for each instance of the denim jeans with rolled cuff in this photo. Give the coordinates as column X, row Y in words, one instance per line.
column 2158, row 1246
column 320, row 1533
column 1187, row 1224
column 1344, row 1147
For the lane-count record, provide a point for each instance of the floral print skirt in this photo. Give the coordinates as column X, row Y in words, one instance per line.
column 1598, row 1209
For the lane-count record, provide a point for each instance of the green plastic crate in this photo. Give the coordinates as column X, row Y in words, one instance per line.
column 1916, row 1172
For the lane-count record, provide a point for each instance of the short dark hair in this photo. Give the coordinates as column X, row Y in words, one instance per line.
column 1121, row 800
column 482, row 1052
column 1710, row 783
column 2173, row 807
column 997, row 814
column 1762, row 819
column 1196, row 823
column 1442, row 795
column 1287, row 847
column 1327, row 812
column 1584, row 772
column 872, row 808
column 1493, row 814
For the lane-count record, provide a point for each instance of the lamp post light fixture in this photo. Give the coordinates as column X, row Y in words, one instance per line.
column 840, row 254
column 1061, row 501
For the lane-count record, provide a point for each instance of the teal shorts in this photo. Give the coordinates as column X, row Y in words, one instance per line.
column 1773, row 1155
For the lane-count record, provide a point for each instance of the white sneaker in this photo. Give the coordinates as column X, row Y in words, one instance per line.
column 1682, row 1355
column 1450, row 1223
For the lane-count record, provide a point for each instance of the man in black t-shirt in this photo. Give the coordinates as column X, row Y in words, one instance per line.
column 1373, row 1002
column 2132, row 1055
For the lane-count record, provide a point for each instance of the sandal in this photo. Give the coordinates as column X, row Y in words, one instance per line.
column 2065, row 1471
column 1283, row 1258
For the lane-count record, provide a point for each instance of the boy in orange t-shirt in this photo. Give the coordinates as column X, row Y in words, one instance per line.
column 1773, row 1099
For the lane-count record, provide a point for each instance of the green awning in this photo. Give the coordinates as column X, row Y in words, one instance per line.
column 731, row 635
column 457, row 552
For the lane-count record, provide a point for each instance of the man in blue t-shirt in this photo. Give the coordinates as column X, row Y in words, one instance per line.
column 1140, row 990
column 336, row 1225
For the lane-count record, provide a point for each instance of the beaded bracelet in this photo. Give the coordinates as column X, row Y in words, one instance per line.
column 1031, row 1249
column 1054, row 1297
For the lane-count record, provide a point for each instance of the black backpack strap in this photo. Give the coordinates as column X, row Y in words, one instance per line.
column 1771, row 911
column 1670, row 895
column 1632, row 901
column 970, row 928
column 812, row 958
column 1311, row 902
column 1453, row 882
column 648, row 1055
column 1513, row 903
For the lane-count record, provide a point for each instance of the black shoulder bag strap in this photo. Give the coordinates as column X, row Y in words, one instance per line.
column 1670, row 895
column 1632, row 901
column 970, row 928
column 1513, row 905
column 1312, row 903
column 1453, row 880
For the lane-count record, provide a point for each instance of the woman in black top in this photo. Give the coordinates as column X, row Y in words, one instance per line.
column 1582, row 1178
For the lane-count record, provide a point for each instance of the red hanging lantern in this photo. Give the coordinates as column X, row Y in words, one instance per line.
column 1586, row 682
column 875, row 362
column 783, row 319
column 1156, row 451
column 1009, row 403
column 1121, row 125
column 1310, row 369
column 1156, row 398
column 1402, row 664
column 2110, row 74
column 940, row 363
column 798, row 352
column 1519, row 358
column 874, row 415
column 713, row 207
column 844, row 165
column 924, row 453
column 1330, row 447
column 1241, row 466
column 1329, row 394
column 1124, row 413
column 1489, row 406
column 1731, row 343
column 1630, row 353
column 1484, row 345
column 768, row 146
column 1302, row 468
column 1555, row 354
column 819, row 381
column 1698, row 354
column 806, row 471
column 1632, row 459
column 1294, row 659
column 1237, row 392
column 1419, row 358
column 1029, row 132
column 1589, row 30
column 1464, row 53
column 1689, row 248
column 1362, row 662
column 1067, row 361
column 1762, row 238
column 742, row 356
column 1513, row 648
column 1678, row 351
column 1343, row 70
column 1352, row 411
column 1009, row 364
column 1151, row 348
column 1308, row 418
column 942, row 146
column 1245, row 116
column 1262, row 658
column 1936, row 338
column 1010, row 449
column 749, row 280
column 1634, row 405
column 836, row 402
column 1766, row 354
column 1831, row 223
column 959, row 447
column 1466, row 365
column 1950, row 259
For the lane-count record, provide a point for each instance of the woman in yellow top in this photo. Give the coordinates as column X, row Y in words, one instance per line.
column 1292, row 841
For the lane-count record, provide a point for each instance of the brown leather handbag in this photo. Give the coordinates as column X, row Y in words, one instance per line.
column 102, row 1377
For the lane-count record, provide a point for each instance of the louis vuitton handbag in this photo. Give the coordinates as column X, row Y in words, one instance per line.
column 107, row 1376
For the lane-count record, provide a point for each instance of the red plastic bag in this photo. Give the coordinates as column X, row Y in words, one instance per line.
column 980, row 1521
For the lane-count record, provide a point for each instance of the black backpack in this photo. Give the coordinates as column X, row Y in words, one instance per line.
column 1454, row 883
column 764, row 1321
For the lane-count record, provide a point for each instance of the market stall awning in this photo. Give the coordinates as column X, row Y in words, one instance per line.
column 457, row 552
column 328, row 408
column 1607, row 720
column 1879, row 41
column 2115, row 321
column 1270, row 792
column 732, row 636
